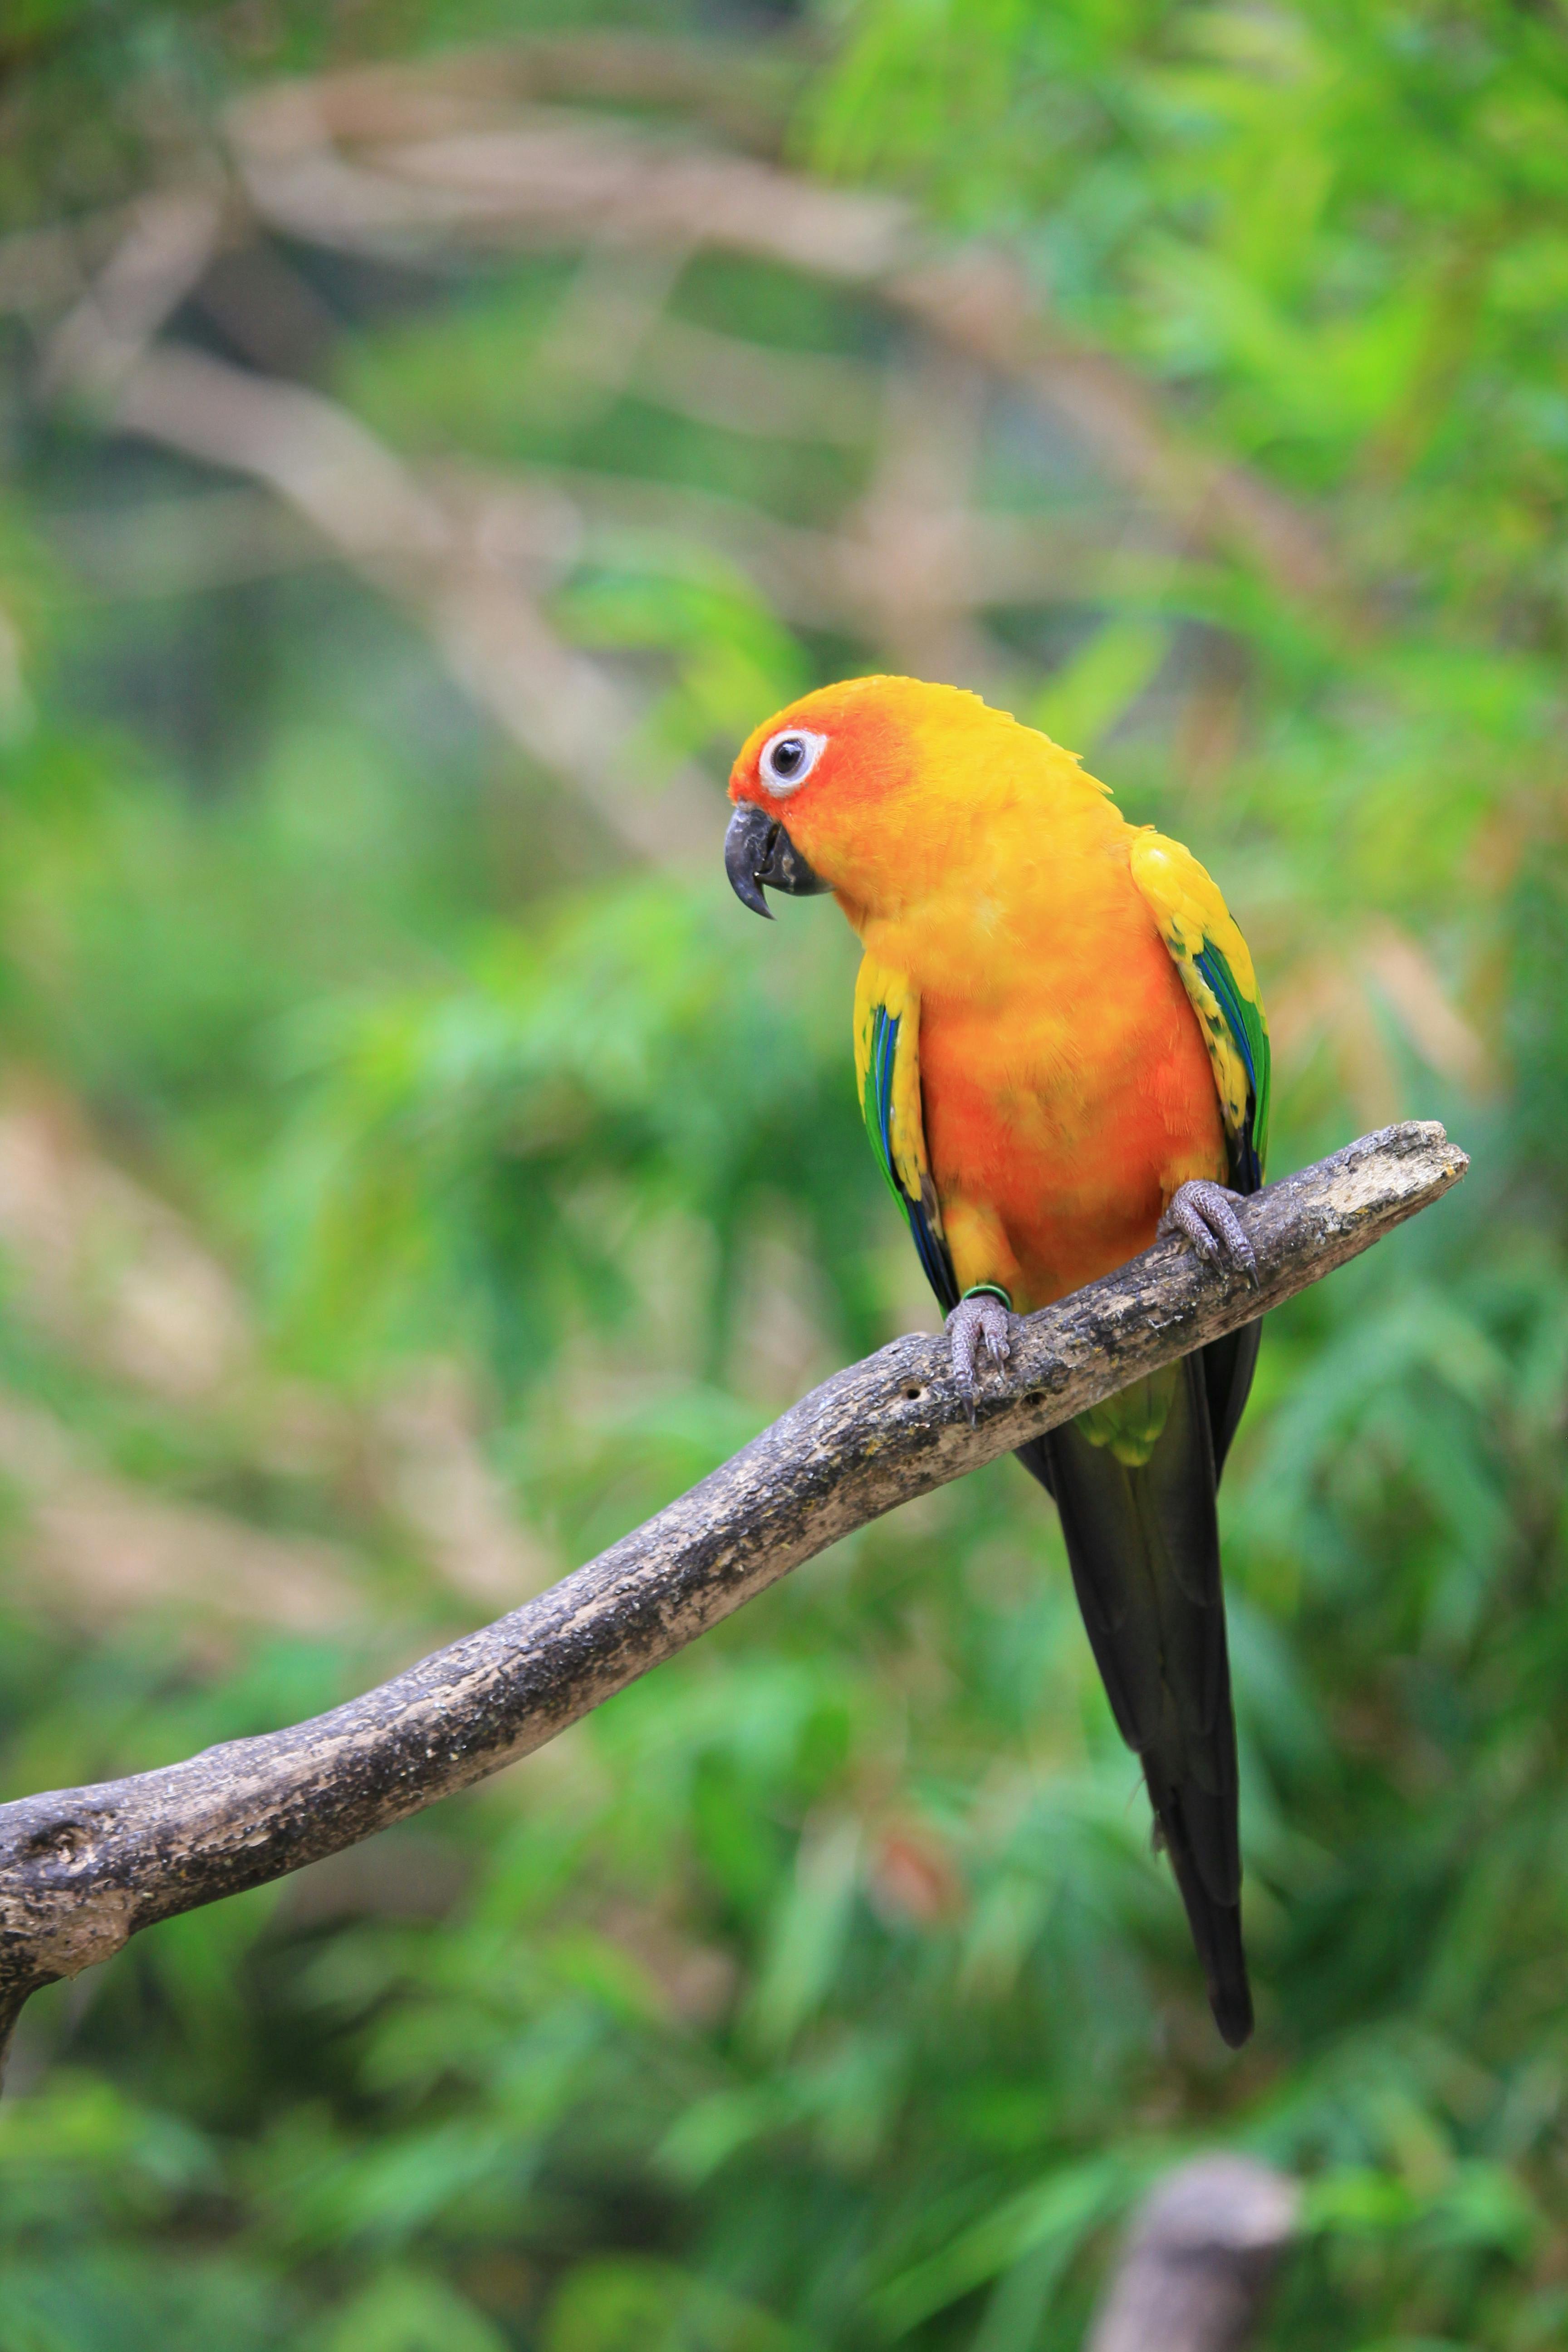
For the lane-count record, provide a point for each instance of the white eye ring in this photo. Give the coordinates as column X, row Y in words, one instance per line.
column 784, row 769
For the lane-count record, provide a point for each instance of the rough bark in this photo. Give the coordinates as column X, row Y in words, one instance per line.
column 82, row 1869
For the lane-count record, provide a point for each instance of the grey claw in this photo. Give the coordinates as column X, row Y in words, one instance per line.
column 1204, row 1215
column 974, row 1324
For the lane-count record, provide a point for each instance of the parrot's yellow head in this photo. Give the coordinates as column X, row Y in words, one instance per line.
column 882, row 789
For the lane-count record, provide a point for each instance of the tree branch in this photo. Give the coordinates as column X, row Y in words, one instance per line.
column 378, row 164
column 1200, row 2259
column 82, row 1869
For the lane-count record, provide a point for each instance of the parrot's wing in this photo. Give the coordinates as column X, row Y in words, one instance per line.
column 1212, row 958
column 888, row 1074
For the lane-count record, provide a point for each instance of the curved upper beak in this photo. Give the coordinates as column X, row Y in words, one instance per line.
column 757, row 849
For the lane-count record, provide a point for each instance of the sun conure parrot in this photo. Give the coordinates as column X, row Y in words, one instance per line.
column 1060, row 1052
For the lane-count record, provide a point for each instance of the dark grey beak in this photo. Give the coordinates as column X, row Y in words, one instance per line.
column 757, row 849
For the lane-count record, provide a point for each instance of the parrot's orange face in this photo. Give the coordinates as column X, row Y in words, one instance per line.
column 867, row 789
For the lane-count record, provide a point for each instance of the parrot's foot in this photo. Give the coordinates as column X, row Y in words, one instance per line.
column 1204, row 1214
column 980, row 1321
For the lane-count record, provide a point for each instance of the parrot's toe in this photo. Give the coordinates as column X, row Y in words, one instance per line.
column 981, row 1320
column 1204, row 1215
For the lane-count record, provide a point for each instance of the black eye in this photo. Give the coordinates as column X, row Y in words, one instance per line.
column 788, row 758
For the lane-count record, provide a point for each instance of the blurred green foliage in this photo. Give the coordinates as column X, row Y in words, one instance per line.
column 820, row 1991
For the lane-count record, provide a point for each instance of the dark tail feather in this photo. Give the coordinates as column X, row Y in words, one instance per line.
column 1143, row 1545
column 1228, row 1366
column 1215, row 1926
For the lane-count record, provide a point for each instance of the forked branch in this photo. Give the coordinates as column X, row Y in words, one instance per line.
column 82, row 1869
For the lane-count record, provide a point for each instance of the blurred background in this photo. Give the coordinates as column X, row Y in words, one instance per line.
column 434, row 431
